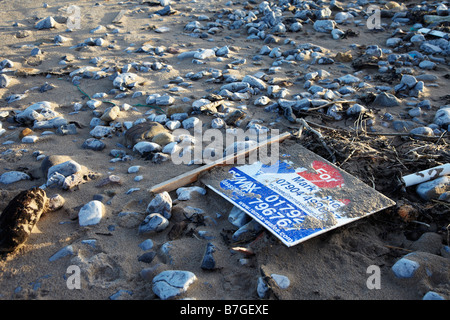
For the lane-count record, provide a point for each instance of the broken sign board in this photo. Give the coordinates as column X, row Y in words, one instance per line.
column 297, row 200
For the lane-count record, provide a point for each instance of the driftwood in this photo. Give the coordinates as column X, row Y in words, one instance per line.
column 193, row 175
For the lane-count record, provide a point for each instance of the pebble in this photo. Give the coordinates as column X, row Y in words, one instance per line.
column 144, row 147
column 91, row 213
column 152, row 223
column 185, row 193
column 162, row 204
column 208, row 261
column 64, row 252
column 93, row 144
column 46, row 23
column 171, row 283
column 13, row 176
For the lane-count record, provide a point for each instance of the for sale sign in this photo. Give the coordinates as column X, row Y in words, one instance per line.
column 299, row 198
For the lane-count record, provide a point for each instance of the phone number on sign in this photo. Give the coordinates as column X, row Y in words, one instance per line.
column 276, row 210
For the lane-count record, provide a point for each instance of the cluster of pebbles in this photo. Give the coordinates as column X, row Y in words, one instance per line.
column 294, row 79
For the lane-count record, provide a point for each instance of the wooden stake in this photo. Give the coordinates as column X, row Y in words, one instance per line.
column 192, row 176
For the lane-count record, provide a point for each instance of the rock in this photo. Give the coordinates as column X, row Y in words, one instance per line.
column 190, row 122
column 171, row 283
column 161, row 203
column 101, row 131
column 143, row 131
column 49, row 124
column 133, row 169
column 110, row 114
column 405, row 268
column 146, row 147
column 64, row 252
column 255, row 82
column 56, row 202
column 262, row 289
column 442, row 117
column 147, row 257
column 431, row 295
column 184, row 193
column 385, row 99
column 127, row 80
column 146, row 244
column 238, row 218
column 247, row 231
column 4, row 81
column 427, row 65
column 39, row 111
column 282, row 281
column 324, row 25
column 163, row 138
column 205, row 54
column 19, row 218
column 422, row 268
column 91, row 213
column 46, row 23
column 433, row 189
column 208, row 261
column 152, row 223
column 93, row 144
column 13, row 176
column 164, row 100
column 65, row 168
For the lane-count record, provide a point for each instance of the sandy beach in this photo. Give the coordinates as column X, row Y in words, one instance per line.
column 146, row 38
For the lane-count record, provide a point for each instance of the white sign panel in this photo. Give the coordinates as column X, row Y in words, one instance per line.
column 297, row 202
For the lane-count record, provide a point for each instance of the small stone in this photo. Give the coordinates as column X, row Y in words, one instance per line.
column 147, row 257
column 405, row 268
column 238, row 218
column 190, row 122
column 209, row 262
column 127, row 80
column 13, row 176
column 91, row 213
column 442, row 117
column 93, row 144
column 66, row 168
column 171, row 283
column 100, row 131
column 154, row 222
column 46, row 23
column 324, row 25
column 184, row 193
column 133, row 169
column 30, row 139
column 4, row 81
column 146, row 147
column 110, row 114
column 64, row 252
column 164, row 100
column 427, row 65
column 385, row 99
column 163, row 138
column 56, row 202
column 146, row 245
column 162, row 203
column 282, row 281
column 431, row 295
